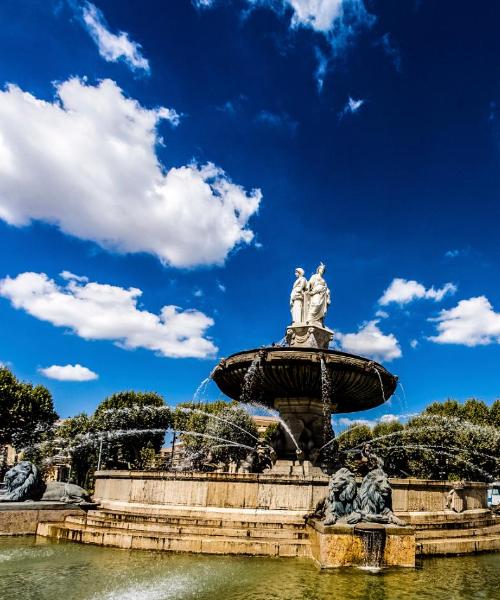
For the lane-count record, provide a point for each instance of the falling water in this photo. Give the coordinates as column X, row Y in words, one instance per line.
column 201, row 390
column 217, row 418
column 381, row 384
column 271, row 411
column 213, row 437
column 326, row 395
column 373, row 543
column 251, row 380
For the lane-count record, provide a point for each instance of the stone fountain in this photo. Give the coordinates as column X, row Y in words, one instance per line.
column 293, row 509
column 305, row 381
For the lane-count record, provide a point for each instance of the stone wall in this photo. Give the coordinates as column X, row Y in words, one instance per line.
column 266, row 491
column 22, row 518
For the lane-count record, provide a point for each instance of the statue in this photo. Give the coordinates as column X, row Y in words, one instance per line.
column 374, row 501
column 341, row 499
column 319, row 297
column 298, row 296
column 24, row 482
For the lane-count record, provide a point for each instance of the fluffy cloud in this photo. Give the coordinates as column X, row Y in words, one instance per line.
column 96, row 311
column 87, row 163
column 403, row 291
column 112, row 47
column 339, row 20
column 69, row 373
column 387, row 418
column 340, row 17
column 370, row 341
column 471, row 322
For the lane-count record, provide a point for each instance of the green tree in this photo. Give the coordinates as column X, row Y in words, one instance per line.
column 448, row 408
column 200, row 424
column 476, row 411
column 129, row 421
column 350, row 442
column 26, row 412
column 495, row 414
column 77, row 438
column 388, row 443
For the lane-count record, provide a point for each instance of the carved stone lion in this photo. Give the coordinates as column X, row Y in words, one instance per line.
column 24, row 482
column 374, row 500
column 341, row 498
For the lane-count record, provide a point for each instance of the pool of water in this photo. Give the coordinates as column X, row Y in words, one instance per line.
column 46, row 570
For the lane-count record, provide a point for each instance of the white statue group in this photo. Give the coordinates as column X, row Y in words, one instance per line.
column 309, row 300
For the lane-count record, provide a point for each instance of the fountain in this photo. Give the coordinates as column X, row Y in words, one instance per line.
column 306, row 382
column 300, row 500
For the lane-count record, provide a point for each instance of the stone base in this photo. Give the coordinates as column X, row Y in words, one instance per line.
column 22, row 518
column 305, row 335
column 295, row 467
column 341, row 545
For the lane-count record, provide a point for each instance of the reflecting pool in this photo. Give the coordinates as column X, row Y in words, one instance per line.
column 46, row 570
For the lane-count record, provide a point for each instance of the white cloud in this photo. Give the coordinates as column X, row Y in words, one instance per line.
column 414, row 343
column 370, row 341
column 69, row 373
column 198, row 293
column 471, row 322
column 221, row 286
column 351, row 107
column 339, row 20
column 203, row 3
column 87, row 163
column 112, row 47
column 387, row 418
column 403, row 291
column 340, row 17
column 381, row 314
column 96, row 311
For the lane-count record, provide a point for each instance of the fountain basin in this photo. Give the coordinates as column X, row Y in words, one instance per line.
column 358, row 383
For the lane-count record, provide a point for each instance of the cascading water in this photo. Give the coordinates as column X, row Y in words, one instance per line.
column 201, row 390
column 326, row 397
column 373, row 539
column 251, row 380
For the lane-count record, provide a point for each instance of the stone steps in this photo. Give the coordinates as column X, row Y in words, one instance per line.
column 456, row 533
column 183, row 533
column 205, row 529
column 459, row 545
column 208, row 519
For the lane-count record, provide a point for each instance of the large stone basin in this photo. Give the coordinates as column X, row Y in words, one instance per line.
column 357, row 383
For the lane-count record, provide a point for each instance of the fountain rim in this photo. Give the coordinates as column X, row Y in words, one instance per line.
column 319, row 352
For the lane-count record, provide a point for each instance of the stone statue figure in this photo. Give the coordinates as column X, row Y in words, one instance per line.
column 298, row 296
column 319, row 297
column 24, row 482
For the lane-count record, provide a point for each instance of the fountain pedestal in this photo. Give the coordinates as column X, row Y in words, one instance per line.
column 367, row 545
column 305, row 335
column 305, row 418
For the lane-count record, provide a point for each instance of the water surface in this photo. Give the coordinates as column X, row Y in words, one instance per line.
column 48, row 570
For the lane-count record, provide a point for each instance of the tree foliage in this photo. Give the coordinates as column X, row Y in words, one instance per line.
column 448, row 440
column 215, row 430
column 26, row 411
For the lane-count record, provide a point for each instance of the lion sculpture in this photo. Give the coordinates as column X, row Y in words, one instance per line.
column 341, row 498
column 374, row 501
column 24, row 482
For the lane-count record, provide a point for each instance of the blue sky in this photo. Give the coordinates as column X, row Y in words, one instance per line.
column 163, row 170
